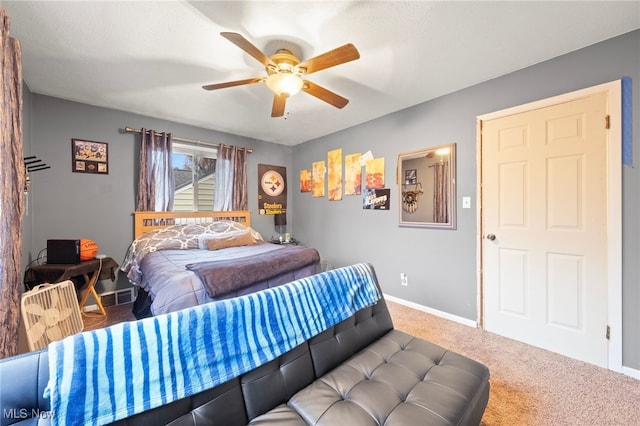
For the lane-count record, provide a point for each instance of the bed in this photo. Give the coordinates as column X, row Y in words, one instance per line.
column 183, row 259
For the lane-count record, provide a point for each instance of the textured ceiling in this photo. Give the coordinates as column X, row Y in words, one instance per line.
column 153, row 58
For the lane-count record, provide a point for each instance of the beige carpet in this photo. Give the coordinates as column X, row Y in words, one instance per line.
column 531, row 386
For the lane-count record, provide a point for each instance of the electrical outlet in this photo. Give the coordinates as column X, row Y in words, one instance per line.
column 404, row 279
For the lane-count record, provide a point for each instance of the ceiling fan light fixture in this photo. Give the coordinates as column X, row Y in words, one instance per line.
column 284, row 84
column 285, row 72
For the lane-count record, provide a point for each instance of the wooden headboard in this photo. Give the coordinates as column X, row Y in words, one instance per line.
column 148, row 221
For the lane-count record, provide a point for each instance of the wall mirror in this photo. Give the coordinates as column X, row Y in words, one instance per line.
column 427, row 187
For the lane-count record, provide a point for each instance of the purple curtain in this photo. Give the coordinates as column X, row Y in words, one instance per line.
column 440, row 193
column 12, row 178
column 155, row 179
column 231, row 179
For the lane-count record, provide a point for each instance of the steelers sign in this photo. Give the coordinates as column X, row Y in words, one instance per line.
column 272, row 183
column 272, row 189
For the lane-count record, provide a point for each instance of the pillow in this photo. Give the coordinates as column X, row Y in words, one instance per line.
column 224, row 226
column 202, row 240
column 229, row 239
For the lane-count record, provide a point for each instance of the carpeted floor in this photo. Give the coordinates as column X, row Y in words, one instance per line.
column 529, row 386
column 115, row 314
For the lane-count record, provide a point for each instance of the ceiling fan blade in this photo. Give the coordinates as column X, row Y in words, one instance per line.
column 334, row 57
column 248, row 47
column 324, row 94
column 277, row 110
column 232, row 83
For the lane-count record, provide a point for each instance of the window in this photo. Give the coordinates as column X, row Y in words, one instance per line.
column 194, row 177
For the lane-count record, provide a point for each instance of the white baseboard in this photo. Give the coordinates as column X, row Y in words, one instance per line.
column 631, row 372
column 441, row 314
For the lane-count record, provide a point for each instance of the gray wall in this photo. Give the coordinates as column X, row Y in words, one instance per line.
column 441, row 264
column 64, row 204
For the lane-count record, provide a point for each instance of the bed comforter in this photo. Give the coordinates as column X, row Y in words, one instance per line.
column 226, row 275
column 171, row 286
column 176, row 270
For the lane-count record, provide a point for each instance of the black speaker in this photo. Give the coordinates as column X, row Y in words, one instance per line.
column 63, row 251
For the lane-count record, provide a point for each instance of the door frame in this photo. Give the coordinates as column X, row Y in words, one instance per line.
column 614, row 205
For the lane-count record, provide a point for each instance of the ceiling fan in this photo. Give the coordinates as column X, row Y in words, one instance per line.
column 286, row 73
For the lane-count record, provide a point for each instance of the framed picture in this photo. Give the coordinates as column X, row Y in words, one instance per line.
column 411, row 176
column 89, row 156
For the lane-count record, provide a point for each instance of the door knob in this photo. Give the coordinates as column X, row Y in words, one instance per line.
column 491, row 237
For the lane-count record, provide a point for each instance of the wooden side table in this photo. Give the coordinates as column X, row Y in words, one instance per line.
column 91, row 270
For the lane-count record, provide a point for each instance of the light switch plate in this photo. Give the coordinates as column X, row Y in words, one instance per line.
column 466, row 202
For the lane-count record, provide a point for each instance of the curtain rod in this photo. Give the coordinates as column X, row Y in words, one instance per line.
column 128, row 129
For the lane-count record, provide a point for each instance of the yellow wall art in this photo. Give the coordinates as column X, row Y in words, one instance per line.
column 305, row 180
column 375, row 173
column 317, row 179
column 352, row 174
column 334, row 174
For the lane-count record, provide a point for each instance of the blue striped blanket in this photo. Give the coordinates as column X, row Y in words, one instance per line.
column 101, row 376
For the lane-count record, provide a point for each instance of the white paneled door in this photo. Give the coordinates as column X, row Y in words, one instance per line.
column 544, row 227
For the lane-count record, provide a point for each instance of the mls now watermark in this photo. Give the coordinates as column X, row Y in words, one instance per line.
column 26, row 413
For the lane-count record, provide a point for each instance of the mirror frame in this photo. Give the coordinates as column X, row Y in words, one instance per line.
column 400, row 178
